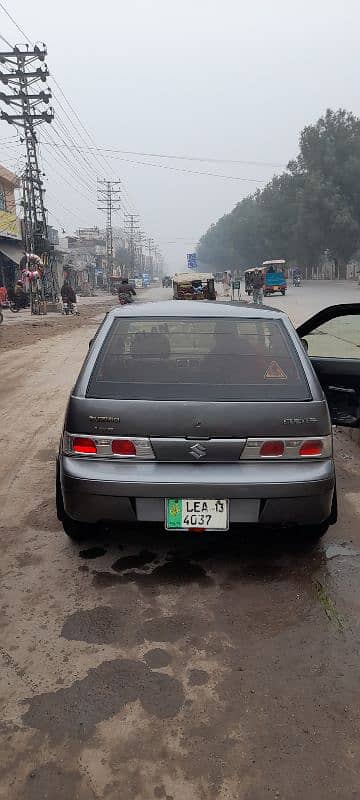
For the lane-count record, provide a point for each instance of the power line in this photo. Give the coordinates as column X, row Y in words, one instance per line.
column 74, row 172
column 187, row 171
column 15, row 23
column 63, row 178
column 191, row 158
column 89, row 136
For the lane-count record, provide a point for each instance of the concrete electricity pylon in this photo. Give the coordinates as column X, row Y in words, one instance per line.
column 133, row 235
column 109, row 201
column 22, row 71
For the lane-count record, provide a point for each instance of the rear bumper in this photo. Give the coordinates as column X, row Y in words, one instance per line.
column 267, row 493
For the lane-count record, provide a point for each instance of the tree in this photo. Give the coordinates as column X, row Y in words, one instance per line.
column 311, row 208
column 122, row 257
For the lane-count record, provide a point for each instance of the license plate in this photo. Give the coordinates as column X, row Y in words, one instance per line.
column 182, row 514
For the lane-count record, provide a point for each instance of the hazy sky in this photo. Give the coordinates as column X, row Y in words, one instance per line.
column 202, row 78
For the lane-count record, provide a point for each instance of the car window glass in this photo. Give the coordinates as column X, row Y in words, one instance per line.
column 338, row 338
column 198, row 359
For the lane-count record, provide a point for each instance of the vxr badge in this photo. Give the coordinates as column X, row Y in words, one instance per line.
column 198, row 451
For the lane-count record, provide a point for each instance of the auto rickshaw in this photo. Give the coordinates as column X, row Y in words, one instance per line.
column 274, row 277
column 194, row 286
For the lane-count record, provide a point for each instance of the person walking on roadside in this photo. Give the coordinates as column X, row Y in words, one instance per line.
column 257, row 287
column 20, row 295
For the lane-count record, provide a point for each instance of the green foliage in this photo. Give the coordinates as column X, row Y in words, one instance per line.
column 311, row 208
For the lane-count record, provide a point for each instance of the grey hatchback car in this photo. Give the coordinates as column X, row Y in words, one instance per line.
column 198, row 416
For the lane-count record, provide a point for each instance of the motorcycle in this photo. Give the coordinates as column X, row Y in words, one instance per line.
column 19, row 304
column 296, row 280
column 125, row 298
column 69, row 308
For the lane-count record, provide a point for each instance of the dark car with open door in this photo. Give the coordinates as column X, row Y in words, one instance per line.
column 204, row 416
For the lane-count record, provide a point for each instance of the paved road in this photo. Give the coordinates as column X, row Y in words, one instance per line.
column 144, row 666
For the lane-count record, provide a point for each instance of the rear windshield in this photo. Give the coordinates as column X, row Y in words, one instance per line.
column 198, row 359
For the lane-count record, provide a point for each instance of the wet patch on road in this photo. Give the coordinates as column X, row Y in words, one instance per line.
column 340, row 551
column 173, row 573
column 157, row 658
column 100, row 625
column 92, row 552
column 50, row 781
column 198, row 677
column 104, row 580
column 160, row 792
column 75, row 711
column 138, row 560
column 167, row 629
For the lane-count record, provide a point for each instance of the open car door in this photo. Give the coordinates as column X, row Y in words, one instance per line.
column 332, row 341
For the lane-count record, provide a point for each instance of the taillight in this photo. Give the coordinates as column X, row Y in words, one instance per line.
column 137, row 447
column 311, row 448
column 287, row 449
column 80, row 444
column 123, row 447
column 271, row 449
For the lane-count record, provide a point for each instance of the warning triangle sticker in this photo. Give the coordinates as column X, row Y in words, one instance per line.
column 275, row 371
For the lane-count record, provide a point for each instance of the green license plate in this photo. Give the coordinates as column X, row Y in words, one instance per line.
column 182, row 514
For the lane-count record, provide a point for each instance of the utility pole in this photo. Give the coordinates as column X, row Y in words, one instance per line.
column 132, row 231
column 29, row 103
column 109, row 201
column 150, row 245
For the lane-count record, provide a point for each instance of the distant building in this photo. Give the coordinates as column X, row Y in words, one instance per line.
column 80, row 258
column 11, row 245
column 53, row 235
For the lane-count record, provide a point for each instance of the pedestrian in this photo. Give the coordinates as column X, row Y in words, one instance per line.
column 20, row 295
column 227, row 283
column 257, row 287
column 3, row 295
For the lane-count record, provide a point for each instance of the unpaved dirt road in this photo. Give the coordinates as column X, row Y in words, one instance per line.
column 142, row 665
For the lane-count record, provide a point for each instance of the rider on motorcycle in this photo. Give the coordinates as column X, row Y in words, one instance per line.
column 68, row 296
column 126, row 291
column 296, row 276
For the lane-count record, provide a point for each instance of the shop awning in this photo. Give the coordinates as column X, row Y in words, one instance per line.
column 12, row 250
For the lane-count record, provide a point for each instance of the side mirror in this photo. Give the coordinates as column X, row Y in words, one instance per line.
column 305, row 344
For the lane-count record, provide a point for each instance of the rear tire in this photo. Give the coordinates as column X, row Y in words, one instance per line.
column 283, row 291
column 77, row 531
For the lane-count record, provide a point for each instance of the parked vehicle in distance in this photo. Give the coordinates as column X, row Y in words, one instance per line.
column 199, row 416
column 194, row 286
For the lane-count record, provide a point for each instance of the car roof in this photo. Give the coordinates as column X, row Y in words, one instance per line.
column 193, row 308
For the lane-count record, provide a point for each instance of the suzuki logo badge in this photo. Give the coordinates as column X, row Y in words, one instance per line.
column 198, row 451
